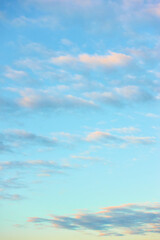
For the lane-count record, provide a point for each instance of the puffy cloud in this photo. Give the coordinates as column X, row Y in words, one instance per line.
column 108, row 61
column 128, row 219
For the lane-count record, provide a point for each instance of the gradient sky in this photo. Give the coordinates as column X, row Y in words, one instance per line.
column 80, row 119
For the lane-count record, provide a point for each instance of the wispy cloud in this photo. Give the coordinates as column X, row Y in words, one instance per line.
column 154, row 9
column 108, row 137
column 121, row 96
column 32, row 164
column 152, row 115
column 11, row 197
column 129, row 219
column 44, row 22
column 67, row 3
column 14, row 74
column 33, row 100
column 15, row 138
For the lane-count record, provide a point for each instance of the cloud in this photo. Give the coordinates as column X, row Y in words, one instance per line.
column 15, row 138
column 33, row 64
column 86, row 158
column 124, row 130
column 70, row 3
column 133, row 93
column 23, row 137
column 14, row 74
column 128, row 219
column 10, row 182
column 108, row 98
column 102, row 136
column 7, row 105
column 154, row 10
column 44, row 22
column 4, row 147
column 32, row 164
column 56, row 98
column 107, row 137
column 11, row 197
column 121, row 96
column 141, row 140
column 152, row 115
column 107, row 61
column 44, row 100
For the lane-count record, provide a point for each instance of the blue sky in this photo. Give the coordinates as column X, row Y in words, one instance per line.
column 79, row 111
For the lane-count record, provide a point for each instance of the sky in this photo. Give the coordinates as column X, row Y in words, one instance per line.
column 79, row 119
